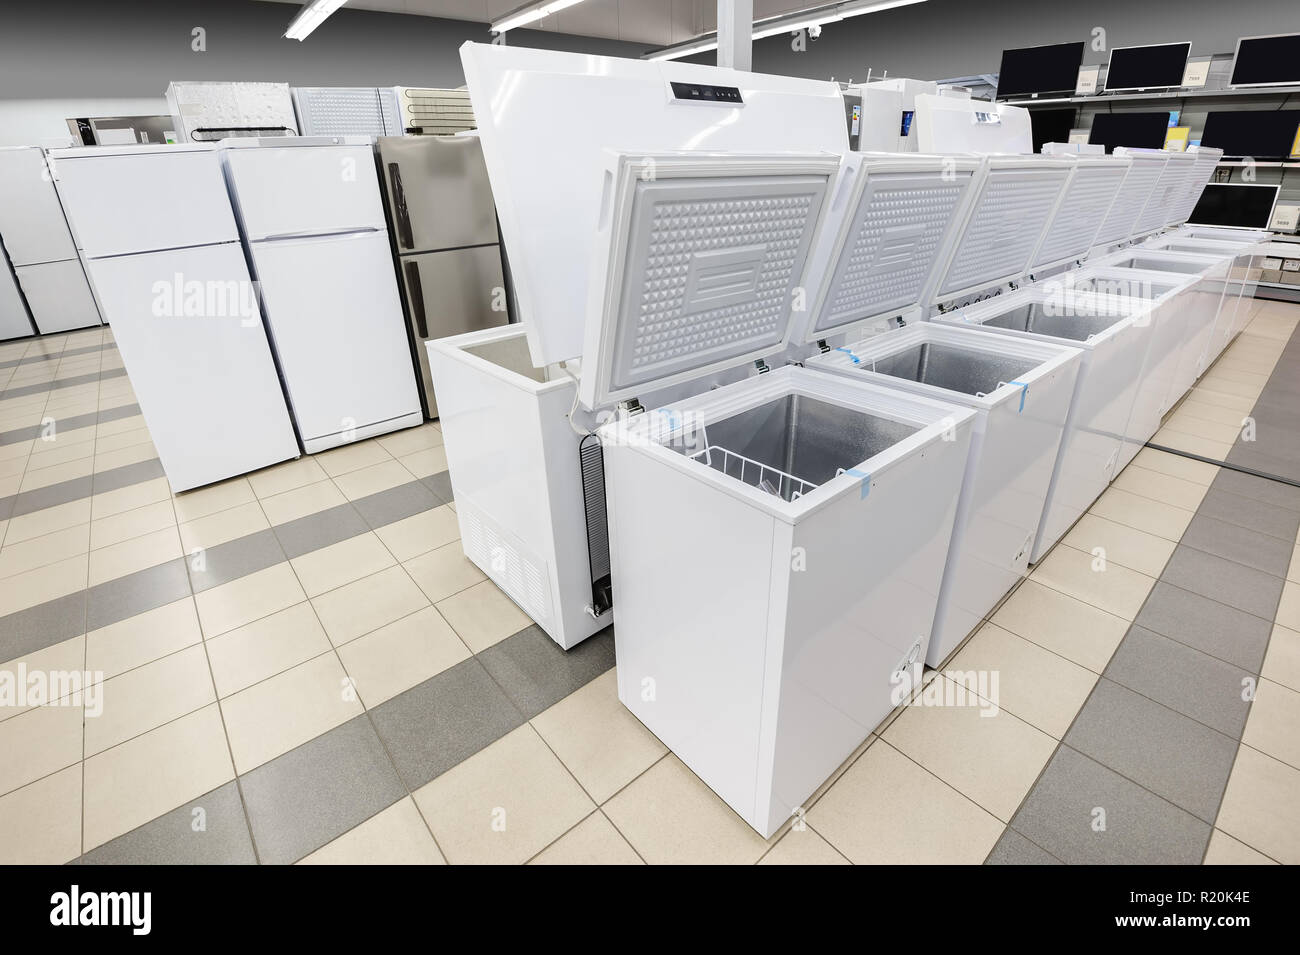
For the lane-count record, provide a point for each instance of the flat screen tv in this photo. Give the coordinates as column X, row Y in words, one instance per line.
column 1258, row 133
column 1143, row 130
column 1146, row 67
column 1036, row 70
column 1267, row 61
column 1051, row 126
column 1246, row 206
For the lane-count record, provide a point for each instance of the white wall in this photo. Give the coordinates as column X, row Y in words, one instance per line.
column 41, row 122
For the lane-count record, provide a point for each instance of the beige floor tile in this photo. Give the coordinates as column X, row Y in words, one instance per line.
column 420, row 533
column 1217, row 414
column 40, row 824
column 504, row 804
column 426, row 462
column 143, row 638
column 71, row 446
column 247, row 599
column 149, row 696
column 1153, row 517
column 138, row 553
column 287, row 710
column 45, row 550
column 411, row 440
column 1225, row 850
column 47, row 521
column 395, row 836
column 122, row 439
column 443, row 571
column 483, row 615
column 1162, row 487
column 803, row 847
column 129, row 498
column 888, row 810
column 149, row 775
column 1111, row 586
column 308, row 499
column 373, row 479
column 1293, row 573
column 1038, row 686
column 367, row 604
column 1214, row 449
column 286, row 476
column 992, row 760
column 34, row 587
column 341, row 563
column 132, row 523
column 401, row 654
column 352, row 457
column 598, row 739
column 1288, row 610
column 1213, row 381
column 594, row 841
column 39, row 742
column 57, row 473
column 120, row 457
column 670, row 817
column 1261, row 806
column 1274, row 718
column 1282, row 662
column 66, row 656
column 192, row 505
column 265, row 647
column 1135, row 549
column 238, row 521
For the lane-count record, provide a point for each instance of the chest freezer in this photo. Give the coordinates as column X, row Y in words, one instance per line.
column 1113, row 334
column 1243, row 279
column 762, row 624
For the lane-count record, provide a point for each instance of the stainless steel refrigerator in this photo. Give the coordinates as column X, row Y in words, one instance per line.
column 444, row 230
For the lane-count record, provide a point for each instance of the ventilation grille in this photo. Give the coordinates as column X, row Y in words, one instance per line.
column 1087, row 200
column 436, row 112
column 591, row 460
column 892, row 244
column 1132, row 196
column 504, row 558
column 1004, row 229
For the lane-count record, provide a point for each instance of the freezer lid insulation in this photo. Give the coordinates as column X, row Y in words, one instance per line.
column 1081, row 211
column 1132, row 197
column 1177, row 173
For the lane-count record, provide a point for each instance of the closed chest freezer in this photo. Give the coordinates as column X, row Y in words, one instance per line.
column 763, row 625
column 1242, row 281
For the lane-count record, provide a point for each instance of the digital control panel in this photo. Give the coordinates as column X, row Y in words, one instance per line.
column 702, row 93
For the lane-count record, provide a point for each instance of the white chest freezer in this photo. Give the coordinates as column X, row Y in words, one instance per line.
column 777, row 544
column 1243, row 279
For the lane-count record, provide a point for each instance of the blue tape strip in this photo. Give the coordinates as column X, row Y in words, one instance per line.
column 866, row 480
column 1024, row 390
column 854, row 358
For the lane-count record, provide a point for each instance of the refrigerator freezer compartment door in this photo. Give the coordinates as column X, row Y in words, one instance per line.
column 31, row 217
column 14, row 321
column 199, row 362
column 124, row 203
column 438, row 191
column 334, row 315
column 58, row 295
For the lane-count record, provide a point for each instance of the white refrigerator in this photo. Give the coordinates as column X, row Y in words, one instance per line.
column 14, row 321
column 156, row 229
column 36, row 237
column 311, row 216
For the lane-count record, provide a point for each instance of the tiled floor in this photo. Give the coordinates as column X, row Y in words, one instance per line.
column 300, row 665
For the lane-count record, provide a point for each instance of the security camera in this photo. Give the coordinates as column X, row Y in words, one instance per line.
column 814, row 31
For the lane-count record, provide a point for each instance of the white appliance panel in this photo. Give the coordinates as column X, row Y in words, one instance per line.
column 31, row 218
column 14, row 322
column 58, row 295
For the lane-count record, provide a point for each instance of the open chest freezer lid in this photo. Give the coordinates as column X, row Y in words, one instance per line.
column 1094, row 183
column 1169, row 188
column 1206, row 160
column 1014, row 200
column 887, row 229
column 697, row 260
column 1143, row 173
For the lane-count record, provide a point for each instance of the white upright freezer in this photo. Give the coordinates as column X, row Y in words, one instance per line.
column 155, row 226
column 15, row 322
column 776, row 544
column 35, row 233
column 310, row 212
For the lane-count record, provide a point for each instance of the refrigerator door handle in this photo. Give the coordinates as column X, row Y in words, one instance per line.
column 318, row 234
column 417, row 299
column 404, row 234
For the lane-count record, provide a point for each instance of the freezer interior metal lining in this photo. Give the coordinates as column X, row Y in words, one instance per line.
column 1143, row 289
column 952, row 367
column 791, row 445
column 1160, row 265
column 1038, row 318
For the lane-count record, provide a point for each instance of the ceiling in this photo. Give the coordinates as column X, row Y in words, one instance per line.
column 653, row 22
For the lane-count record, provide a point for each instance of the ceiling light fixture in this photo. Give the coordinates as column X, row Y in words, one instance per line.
column 530, row 13
column 310, row 17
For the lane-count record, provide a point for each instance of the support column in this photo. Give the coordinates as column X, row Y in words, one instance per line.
column 735, row 34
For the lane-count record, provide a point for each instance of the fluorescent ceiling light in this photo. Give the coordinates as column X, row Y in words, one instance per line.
column 529, row 13
column 788, row 23
column 310, row 17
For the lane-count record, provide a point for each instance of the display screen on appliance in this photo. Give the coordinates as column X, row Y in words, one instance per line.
column 1142, row 130
column 1267, row 61
column 906, row 129
column 1147, row 67
column 1235, row 204
column 701, row 93
column 1257, row 133
column 1039, row 69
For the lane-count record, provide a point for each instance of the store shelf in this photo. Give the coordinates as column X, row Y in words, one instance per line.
column 1171, row 94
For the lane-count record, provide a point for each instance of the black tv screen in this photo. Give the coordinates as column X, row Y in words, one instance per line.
column 1267, row 61
column 1257, row 133
column 1143, row 130
column 1040, row 69
column 1051, row 126
column 1147, row 67
column 1235, row 204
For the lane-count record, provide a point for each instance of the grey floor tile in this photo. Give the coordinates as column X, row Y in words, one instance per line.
column 314, row 793
column 1225, row 581
column 127, row 596
column 1183, row 679
column 61, row 383
column 240, row 557
column 118, row 413
column 1015, row 849
column 1170, row 754
column 446, row 719
column 396, row 503
column 1272, row 555
column 38, row 499
column 536, row 673
column 440, row 484
column 173, row 839
column 1259, row 489
column 319, row 530
column 1215, row 628
column 128, row 474
column 1138, row 827
column 1256, row 515
column 1257, row 460
column 44, row 625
